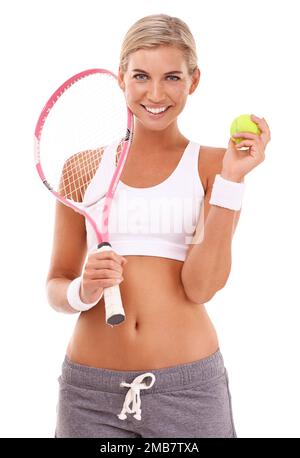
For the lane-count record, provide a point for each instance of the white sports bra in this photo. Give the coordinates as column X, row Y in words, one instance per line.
column 156, row 221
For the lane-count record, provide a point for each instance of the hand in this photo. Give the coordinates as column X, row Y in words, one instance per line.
column 102, row 270
column 236, row 164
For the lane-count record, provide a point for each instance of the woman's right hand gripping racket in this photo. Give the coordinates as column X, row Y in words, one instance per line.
column 85, row 114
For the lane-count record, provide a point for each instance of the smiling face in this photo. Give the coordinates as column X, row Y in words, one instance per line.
column 156, row 85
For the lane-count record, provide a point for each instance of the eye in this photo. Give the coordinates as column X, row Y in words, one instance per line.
column 173, row 76
column 138, row 75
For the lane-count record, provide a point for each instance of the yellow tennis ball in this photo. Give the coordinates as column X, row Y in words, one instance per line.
column 243, row 123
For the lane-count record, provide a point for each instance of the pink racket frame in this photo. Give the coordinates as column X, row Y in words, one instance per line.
column 79, row 206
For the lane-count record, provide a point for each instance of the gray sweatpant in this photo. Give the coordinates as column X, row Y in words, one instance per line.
column 187, row 400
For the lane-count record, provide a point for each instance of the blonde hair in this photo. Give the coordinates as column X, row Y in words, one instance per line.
column 156, row 30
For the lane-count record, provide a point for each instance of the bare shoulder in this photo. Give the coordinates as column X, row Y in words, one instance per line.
column 210, row 163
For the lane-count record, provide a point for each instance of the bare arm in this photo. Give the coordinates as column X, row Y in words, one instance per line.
column 68, row 255
column 208, row 262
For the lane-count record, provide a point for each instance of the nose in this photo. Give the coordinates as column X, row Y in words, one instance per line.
column 155, row 92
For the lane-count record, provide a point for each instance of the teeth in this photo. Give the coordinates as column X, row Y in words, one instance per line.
column 156, row 110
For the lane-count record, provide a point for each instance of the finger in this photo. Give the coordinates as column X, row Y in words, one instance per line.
column 118, row 258
column 124, row 260
column 245, row 135
column 247, row 143
column 110, row 254
column 263, row 126
column 107, row 283
column 252, row 149
column 103, row 273
column 261, row 122
column 99, row 264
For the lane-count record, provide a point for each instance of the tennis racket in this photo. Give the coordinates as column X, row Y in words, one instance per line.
column 84, row 115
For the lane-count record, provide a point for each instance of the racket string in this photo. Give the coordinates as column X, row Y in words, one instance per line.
column 79, row 170
column 77, row 173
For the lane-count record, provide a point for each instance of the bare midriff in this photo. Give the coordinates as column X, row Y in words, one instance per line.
column 163, row 328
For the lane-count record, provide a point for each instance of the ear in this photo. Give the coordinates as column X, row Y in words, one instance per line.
column 195, row 80
column 121, row 79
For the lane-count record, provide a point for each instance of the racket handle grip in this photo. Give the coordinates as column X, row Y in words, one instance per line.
column 114, row 311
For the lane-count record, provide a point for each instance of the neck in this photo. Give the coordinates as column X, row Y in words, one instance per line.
column 150, row 141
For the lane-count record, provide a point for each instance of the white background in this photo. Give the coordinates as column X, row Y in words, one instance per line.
column 248, row 57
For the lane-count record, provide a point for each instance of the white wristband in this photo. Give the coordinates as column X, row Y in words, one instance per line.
column 73, row 296
column 227, row 194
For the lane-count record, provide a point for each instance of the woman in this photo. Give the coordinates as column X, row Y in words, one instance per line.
column 160, row 373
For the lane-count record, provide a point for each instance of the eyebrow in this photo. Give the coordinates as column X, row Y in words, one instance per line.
column 144, row 71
